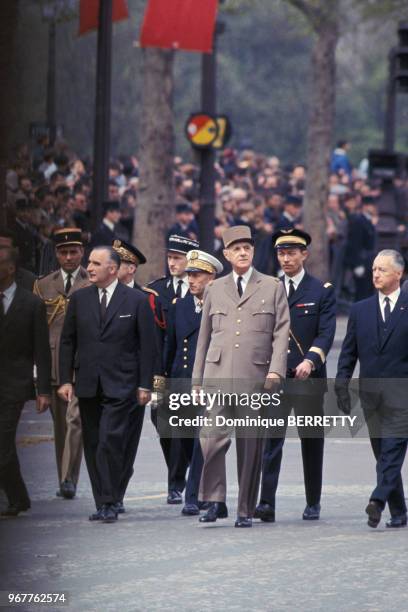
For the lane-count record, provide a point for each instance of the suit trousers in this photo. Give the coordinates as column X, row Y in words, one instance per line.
column 175, row 458
column 67, row 437
column 190, row 456
column 389, row 483
column 134, row 431
column 104, row 428
column 11, row 480
column 312, row 444
column 388, row 450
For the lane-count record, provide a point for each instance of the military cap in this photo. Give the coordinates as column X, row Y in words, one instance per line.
column 291, row 199
column 67, row 236
column 285, row 239
column 199, row 261
column 110, row 205
column 128, row 253
column 237, row 233
column 181, row 244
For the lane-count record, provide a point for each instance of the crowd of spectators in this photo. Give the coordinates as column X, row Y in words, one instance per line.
column 49, row 188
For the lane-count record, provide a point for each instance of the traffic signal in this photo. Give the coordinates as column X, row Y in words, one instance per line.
column 401, row 54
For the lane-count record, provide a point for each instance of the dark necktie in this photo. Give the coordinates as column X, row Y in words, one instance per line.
column 178, row 290
column 387, row 309
column 68, row 283
column 239, row 285
column 2, row 310
column 291, row 288
column 104, row 302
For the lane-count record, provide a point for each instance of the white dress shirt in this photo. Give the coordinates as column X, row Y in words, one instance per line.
column 245, row 278
column 297, row 279
column 74, row 274
column 9, row 294
column 393, row 297
column 184, row 286
column 109, row 291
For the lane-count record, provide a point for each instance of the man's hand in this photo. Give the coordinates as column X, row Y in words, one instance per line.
column 43, row 403
column 303, row 370
column 343, row 396
column 66, row 392
column 143, row 397
column 272, row 381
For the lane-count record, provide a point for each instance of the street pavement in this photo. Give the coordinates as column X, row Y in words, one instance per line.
column 155, row 559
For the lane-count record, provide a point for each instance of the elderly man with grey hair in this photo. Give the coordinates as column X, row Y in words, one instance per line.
column 377, row 337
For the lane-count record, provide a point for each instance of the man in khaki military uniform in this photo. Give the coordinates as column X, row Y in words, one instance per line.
column 55, row 290
column 244, row 336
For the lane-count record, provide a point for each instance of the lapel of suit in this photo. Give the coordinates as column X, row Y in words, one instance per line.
column 116, row 300
column 14, row 308
column 371, row 315
column 300, row 290
column 231, row 288
column 192, row 318
column 251, row 288
column 59, row 282
column 395, row 316
column 79, row 280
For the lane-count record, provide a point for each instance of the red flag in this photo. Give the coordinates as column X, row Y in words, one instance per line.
column 179, row 24
column 89, row 14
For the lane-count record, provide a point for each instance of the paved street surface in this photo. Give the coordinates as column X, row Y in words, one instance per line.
column 155, row 559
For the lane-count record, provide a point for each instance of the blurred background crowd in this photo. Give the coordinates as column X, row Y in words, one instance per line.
column 50, row 188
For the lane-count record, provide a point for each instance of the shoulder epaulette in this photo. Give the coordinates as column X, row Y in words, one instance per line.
column 150, row 291
column 326, row 285
column 156, row 279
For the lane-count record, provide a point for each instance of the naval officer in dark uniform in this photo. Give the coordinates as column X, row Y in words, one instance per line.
column 312, row 307
column 175, row 285
column 183, row 326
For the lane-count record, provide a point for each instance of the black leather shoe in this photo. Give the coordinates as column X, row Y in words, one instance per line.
column 203, row 505
column 67, row 489
column 108, row 513
column 96, row 516
column 190, row 510
column 174, row 497
column 397, row 521
column 15, row 509
column 374, row 511
column 265, row 512
column 119, row 508
column 243, row 521
column 311, row 513
column 217, row 510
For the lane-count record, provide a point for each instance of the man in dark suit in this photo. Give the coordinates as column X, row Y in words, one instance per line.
column 312, row 306
column 24, row 278
column 183, row 326
column 23, row 343
column 168, row 288
column 106, row 339
column 106, row 233
column 377, row 337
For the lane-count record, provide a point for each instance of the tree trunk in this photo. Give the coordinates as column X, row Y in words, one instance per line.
column 156, row 152
column 319, row 143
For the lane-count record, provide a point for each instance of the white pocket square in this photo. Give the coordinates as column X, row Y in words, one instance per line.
column 124, row 316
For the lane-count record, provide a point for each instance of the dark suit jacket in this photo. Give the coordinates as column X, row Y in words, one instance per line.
column 183, row 325
column 103, row 236
column 379, row 359
column 23, row 343
column 119, row 354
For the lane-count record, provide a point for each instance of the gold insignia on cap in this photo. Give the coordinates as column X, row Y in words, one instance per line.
column 193, row 255
column 327, row 285
column 288, row 231
column 117, row 244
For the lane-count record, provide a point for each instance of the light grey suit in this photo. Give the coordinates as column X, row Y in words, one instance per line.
column 241, row 340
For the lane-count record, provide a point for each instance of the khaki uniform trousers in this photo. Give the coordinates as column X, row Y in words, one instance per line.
column 67, row 437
